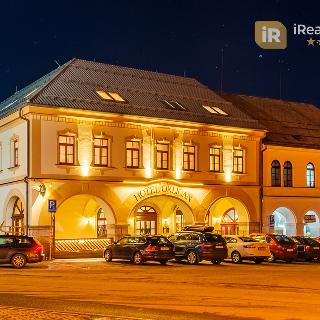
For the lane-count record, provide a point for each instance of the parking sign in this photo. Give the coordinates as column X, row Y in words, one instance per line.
column 52, row 205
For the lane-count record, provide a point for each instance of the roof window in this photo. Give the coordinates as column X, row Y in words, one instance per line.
column 110, row 96
column 174, row 105
column 215, row 110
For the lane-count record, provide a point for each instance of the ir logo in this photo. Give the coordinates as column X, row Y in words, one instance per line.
column 270, row 35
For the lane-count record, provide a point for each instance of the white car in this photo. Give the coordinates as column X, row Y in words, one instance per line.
column 246, row 248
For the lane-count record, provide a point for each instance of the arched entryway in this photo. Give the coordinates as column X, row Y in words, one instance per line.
column 228, row 216
column 311, row 224
column 146, row 220
column 83, row 216
column 15, row 210
column 160, row 215
column 283, row 221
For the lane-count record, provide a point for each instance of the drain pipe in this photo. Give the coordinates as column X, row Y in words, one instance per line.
column 26, row 179
column 263, row 148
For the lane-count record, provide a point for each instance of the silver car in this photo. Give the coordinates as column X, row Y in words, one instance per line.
column 246, row 248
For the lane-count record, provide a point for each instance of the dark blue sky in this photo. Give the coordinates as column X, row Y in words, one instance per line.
column 165, row 36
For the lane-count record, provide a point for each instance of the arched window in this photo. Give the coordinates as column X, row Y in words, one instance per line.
column 275, row 173
column 18, row 217
column 101, row 224
column 311, row 183
column 287, row 174
column 179, row 220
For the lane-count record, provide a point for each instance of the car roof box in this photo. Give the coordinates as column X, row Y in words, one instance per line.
column 198, row 228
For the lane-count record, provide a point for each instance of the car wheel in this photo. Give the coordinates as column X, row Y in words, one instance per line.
column 137, row 258
column 192, row 257
column 236, row 257
column 108, row 255
column 271, row 258
column 18, row 261
column 216, row 261
column 163, row 262
column 258, row 261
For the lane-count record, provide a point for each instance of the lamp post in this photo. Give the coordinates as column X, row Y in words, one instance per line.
column 52, row 207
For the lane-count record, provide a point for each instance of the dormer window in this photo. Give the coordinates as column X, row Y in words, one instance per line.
column 110, row 96
column 174, row 105
column 215, row 110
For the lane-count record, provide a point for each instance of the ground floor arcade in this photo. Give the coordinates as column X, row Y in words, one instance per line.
column 98, row 210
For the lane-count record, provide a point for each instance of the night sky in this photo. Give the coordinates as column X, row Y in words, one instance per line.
column 177, row 37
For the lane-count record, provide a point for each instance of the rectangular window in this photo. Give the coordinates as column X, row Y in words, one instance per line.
column 238, row 158
column 15, row 147
column 215, row 159
column 101, row 152
column 133, row 154
column 163, row 156
column 189, row 157
column 66, row 149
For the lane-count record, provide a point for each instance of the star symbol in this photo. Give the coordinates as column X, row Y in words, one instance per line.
column 311, row 42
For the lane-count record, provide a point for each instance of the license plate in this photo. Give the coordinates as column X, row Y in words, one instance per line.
column 316, row 248
column 261, row 248
column 165, row 248
column 219, row 247
column 290, row 250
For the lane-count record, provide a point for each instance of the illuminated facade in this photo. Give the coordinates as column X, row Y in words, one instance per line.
column 128, row 151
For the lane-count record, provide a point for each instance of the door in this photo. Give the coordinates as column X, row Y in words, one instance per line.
column 119, row 248
column 146, row 221
column 230, row 222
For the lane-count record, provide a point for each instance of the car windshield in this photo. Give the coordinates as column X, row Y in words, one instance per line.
column 213, row 237
column 247, row 239
column 283, row 239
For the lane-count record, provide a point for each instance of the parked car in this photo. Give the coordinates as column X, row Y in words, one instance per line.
column 281, row 247
column 307, row 248
column 246, row 248
column 141, row 248
column 199, row 244
column 20, row 250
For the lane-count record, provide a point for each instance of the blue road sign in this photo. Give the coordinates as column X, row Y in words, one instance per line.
column 52, row 205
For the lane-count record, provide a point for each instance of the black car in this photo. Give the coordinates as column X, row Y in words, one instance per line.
column 308, row 248
column 20, row 250
column 197, row 244
column 141, row 248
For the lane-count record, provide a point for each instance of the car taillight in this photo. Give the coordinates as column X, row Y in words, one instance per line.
column 306, row 247
column 205, row 245
column 150, row 248
column 38, row 248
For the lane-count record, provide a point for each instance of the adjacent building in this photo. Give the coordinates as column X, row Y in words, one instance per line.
column 118, row 150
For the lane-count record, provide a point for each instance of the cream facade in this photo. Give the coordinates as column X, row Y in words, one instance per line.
column 110, row 201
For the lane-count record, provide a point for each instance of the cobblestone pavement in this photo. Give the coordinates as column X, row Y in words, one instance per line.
column 16, row 313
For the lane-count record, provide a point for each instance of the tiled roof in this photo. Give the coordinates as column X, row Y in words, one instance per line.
column 74, row 85
column 288, row 123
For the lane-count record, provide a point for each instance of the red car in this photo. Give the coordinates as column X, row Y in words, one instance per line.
column 281, row 247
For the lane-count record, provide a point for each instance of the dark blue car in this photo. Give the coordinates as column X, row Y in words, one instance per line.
column 195, row 245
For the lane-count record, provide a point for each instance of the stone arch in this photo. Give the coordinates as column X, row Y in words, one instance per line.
column 76, row 217
column 311, row 224
column 166, row 207
column 220, row 207
column 15, row 214
column 282, row 221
